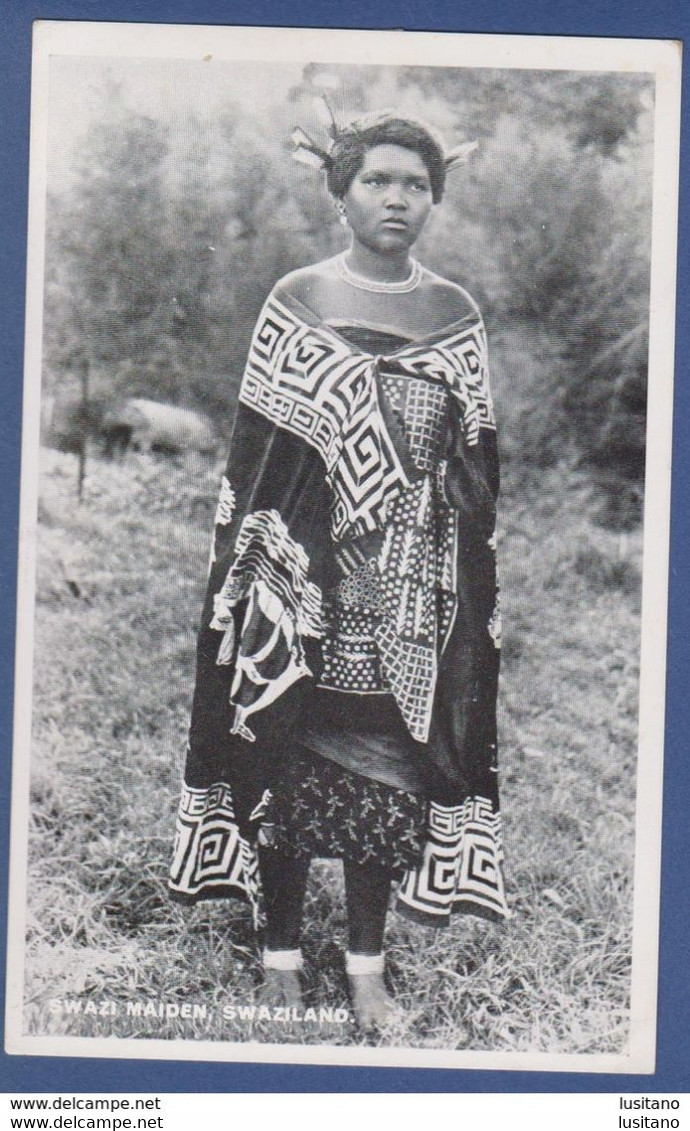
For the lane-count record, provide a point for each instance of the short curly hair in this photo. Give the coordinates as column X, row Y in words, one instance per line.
column 353, row 142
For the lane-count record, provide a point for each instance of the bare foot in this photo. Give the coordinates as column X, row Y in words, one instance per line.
column 281, row 1008
column 281, row 988
column 371, row 1001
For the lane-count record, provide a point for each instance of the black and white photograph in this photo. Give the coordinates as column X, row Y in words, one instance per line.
column 339, row 714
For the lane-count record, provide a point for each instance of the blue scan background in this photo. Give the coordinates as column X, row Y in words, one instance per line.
column 662, row 19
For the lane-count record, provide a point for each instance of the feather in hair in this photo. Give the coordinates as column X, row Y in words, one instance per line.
column 306, row 151
column 371, row 118
column 308, row 157
column 460, row 155
column 324, row 113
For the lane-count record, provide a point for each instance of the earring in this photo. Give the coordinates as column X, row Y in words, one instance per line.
column 342, row 214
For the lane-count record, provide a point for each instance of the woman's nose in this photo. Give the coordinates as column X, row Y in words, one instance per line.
column 396, row 196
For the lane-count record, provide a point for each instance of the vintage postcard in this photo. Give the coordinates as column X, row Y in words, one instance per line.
column 344, row 548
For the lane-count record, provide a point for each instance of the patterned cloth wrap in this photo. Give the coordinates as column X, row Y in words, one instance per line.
column 354, row 552
column 319, row 809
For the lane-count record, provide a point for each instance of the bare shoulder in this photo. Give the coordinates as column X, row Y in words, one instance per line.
column 452, row 301
column 305, row 281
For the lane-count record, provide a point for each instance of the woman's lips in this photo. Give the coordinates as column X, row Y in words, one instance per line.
column 398, row 225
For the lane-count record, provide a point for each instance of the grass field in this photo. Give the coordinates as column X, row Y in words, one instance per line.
column 119, row 587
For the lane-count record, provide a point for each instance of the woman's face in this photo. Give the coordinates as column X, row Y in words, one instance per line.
column 389, row 199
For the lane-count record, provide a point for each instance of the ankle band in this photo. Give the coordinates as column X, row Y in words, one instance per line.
column 363, row 963
column 283, row 959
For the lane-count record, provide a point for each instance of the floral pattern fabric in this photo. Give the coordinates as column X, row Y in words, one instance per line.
column 320, row 809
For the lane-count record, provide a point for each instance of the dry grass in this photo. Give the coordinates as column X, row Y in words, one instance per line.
column 120, row 581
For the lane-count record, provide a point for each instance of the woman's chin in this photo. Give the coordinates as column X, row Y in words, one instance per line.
column 391, row 243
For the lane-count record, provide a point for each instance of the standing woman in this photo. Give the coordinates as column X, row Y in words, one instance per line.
column 345, row 702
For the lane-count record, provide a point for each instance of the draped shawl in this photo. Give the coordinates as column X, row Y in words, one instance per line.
column 322, row 482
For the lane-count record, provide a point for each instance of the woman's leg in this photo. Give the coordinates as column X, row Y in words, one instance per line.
column 367, row 891
column 284, row 882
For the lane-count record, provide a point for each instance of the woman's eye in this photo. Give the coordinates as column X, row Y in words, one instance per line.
column 380, row 180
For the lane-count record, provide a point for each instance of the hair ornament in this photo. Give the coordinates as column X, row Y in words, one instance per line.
column 326, row 116
column 454, row 158
column 307, row 152
column 460, row 155
column 368, row 121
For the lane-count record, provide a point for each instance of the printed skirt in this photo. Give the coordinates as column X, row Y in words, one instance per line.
column 321, row 809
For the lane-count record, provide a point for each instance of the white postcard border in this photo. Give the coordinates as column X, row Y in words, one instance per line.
column 658, row 57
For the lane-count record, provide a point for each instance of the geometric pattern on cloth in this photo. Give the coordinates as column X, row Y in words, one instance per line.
column 270, row 570
column 350, row 556
column 210, row 858
column 360, row 588
column 405, row 599
column 314, row 385
column 459, row 362
column 407, row 564
column 310, row 381
column 368, row 474
column 226, row 504
column 421, row 406
column 265, row 551
column 350, row 656
column 410, row 672
column 461, row 870
column 407, row 632
column 446, row 559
